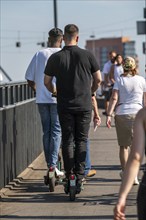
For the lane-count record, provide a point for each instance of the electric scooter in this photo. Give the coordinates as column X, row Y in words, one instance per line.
column 52, row 179
column 72, row 188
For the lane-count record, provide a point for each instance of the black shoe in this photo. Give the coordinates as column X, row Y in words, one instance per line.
column 104, row 113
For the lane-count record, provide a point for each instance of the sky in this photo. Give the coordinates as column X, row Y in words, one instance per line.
column 29, row 21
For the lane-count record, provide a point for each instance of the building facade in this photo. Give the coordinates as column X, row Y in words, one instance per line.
column 101, row 47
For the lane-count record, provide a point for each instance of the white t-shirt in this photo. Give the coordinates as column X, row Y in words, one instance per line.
column 35, row 72
column 106, row 70
column 118, row 70
column 131, row 89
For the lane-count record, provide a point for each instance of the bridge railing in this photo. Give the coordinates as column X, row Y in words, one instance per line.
column 14, row 92
column 20, row 130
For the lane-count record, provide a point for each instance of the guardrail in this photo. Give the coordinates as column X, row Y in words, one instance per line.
column 14, row 92
column 20, row 130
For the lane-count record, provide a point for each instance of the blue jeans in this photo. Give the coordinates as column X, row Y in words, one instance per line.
column 51, row 132
column 87, row 161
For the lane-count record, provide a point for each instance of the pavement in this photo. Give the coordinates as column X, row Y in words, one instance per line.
column 27, row 198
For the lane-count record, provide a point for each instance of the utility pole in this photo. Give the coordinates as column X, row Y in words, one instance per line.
column 55, row 14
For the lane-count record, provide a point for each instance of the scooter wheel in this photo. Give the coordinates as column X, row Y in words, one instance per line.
column 72, row 194
column 52, row 184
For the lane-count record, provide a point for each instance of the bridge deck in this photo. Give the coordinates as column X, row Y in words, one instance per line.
column 28, row 198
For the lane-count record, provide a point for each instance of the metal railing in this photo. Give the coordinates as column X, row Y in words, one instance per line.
column 14, row 92
column 20, row 130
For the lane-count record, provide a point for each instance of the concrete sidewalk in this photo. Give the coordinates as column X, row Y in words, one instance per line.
column 28, row 198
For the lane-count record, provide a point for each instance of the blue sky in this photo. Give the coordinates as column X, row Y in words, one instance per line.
column 29, row 22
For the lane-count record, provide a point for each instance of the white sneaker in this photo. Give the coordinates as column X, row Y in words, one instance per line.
column 136, row 182
column 58, row 172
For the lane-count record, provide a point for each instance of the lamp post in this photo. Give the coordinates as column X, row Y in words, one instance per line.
column 55, row 14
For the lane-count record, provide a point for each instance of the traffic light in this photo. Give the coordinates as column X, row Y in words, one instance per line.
column 141, row 25
column 144, row 47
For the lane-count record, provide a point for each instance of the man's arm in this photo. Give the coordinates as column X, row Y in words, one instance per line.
column 96, row 81
column 32, row 85
column 111, row 74
column 112, row 103
column 49, row 84
column 106, row 77
column 96, row 117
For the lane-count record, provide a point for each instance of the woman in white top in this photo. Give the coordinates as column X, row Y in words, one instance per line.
column 128, row 97
column 116, row 69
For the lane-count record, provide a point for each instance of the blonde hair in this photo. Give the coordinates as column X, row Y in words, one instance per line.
column 129, row 66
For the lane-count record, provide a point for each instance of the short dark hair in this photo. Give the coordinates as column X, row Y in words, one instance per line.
column 112, row 51
column 119, row 55
column 71, row 30
column 55, row 32
column 55, row 35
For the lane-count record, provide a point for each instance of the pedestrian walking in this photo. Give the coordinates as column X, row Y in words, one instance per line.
column 47, row 104
column 77, row 78
column 107, row 84
column 89, row 172
column 116, row 69
column 128, row 97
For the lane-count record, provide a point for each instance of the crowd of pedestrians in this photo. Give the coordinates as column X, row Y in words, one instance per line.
column 72, row 75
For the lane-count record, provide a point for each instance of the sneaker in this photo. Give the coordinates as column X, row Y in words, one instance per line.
column 91, row 173
column 58, row 172
column 136, row 182
column 84, row 180
column 79, row 186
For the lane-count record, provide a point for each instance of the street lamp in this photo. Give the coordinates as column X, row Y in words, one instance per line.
column 55, row 14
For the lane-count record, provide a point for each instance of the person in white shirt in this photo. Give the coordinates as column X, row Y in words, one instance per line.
column 116, row 69
column 107, row 84
column 128, row 97
column 47, row 104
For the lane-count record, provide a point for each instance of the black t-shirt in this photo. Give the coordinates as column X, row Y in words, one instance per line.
column 73, row 68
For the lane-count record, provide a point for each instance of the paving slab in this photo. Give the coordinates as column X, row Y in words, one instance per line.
column 27, row 198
